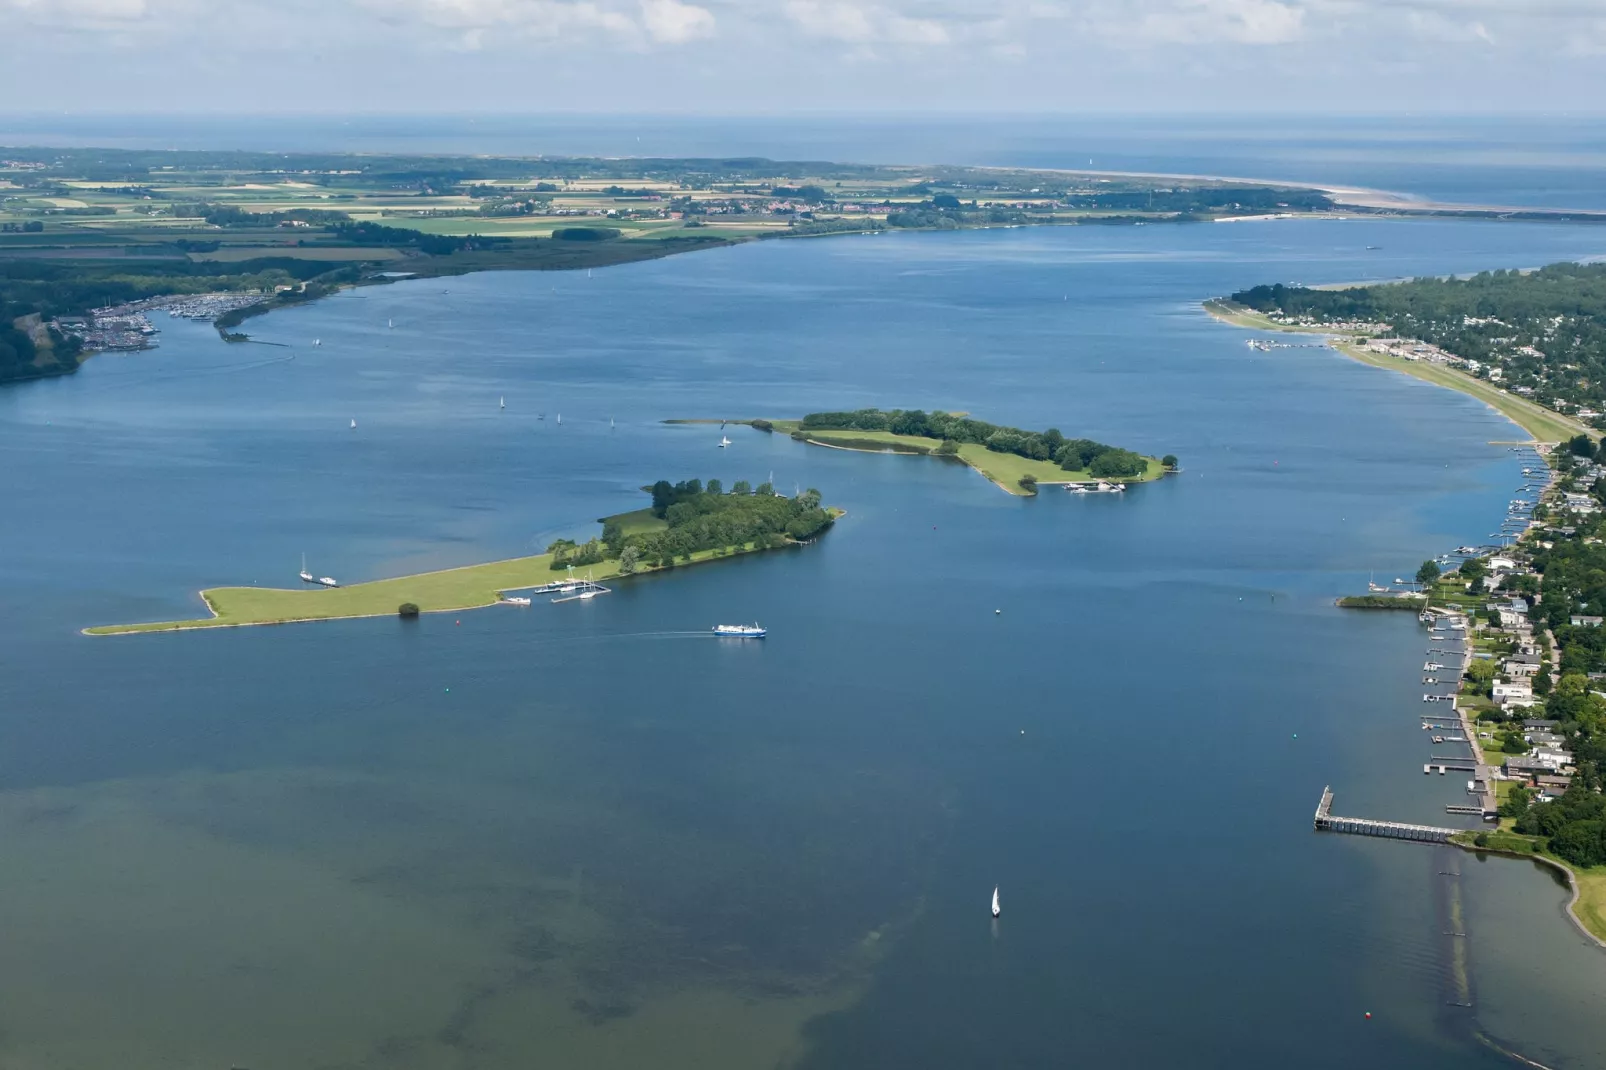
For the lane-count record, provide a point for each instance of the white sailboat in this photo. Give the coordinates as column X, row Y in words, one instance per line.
column 316, row 342
column 996, row 910
column 560, row 417
column 354, row 425
column 723, row 442
column 503, row 403
column 610, row 423
column 390, row 323
column 306, row 577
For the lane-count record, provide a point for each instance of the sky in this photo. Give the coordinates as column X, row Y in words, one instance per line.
column 757, row 57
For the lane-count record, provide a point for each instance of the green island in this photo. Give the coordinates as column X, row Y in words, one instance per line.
column 1531, row 344
column 1016, row 460
column 688, row 523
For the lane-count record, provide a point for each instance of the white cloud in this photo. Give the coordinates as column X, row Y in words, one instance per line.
column 864, row 25
column 1251, row 22
column 672, row 22
column 77, row 14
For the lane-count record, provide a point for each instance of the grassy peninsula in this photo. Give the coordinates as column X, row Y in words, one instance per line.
column 1531, row 344
column 1016, row 460
column 688, row 523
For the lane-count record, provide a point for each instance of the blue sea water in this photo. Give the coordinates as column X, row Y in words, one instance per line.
column 591, row 835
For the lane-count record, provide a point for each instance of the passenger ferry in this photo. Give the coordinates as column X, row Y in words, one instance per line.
column 740, row 631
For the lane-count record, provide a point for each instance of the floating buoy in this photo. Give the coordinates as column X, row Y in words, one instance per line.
column 459, row 624
column 1296, row 735
column 997, row 611
column 1368, row 1014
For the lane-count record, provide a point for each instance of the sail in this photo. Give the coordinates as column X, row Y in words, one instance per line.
column 995, row 903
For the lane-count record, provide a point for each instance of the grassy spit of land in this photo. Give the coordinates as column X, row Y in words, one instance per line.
column 1542, row 424
column 449, row 590
column 1009, row 471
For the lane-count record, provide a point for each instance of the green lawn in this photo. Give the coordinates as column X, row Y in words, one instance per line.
column 1545, row 425
column 638, row 522
column 469, row 587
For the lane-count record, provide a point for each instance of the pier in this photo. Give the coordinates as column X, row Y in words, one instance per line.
column 1327, row 821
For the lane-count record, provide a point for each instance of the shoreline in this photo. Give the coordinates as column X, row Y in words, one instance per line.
column 499, row 577
column 1540, row 424
column 969, row 454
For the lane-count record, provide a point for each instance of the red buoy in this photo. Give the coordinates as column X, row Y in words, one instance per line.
column 1368, row 1014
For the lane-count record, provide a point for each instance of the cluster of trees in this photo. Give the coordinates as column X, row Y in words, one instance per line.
column 21, row 357
column 1072, row 455
column 367, row 233
column 945, row 217
column 806, row 194
column 702, row 517
column 1545, row 329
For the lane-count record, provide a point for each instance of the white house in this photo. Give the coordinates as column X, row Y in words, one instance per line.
column 1513, row 693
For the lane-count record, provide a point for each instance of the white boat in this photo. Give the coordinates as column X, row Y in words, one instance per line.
column 503, row 403
column 610, row 423
column 306, row 577
column 740, row 631
column 560, row 417
column 996, row 910
column 390, row 323
column 515, row 600
column 723, row 442
column 354, row 425
column 328, row 581
column 317, row 342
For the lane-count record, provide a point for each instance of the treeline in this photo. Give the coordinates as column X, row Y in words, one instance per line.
column 701, row 517
column 21, row 356
column 1544, row 329
column 932, row 216
column 1072, row 455
column 434, row 244
column 1202, row 200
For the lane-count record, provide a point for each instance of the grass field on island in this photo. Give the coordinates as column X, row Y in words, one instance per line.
column 450, row 590
column 1004, row 469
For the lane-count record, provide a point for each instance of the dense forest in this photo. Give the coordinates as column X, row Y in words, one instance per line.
column 1544, row 330
column 701, row 517
column 1071, row 454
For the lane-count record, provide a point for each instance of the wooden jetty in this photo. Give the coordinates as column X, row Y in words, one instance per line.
column 1327, row 821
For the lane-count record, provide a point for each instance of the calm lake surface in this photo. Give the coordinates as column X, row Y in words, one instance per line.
column 589, row 835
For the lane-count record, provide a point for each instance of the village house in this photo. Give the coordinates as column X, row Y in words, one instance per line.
column 1521, row 665
column 1584, row 622
column 1513, row 693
